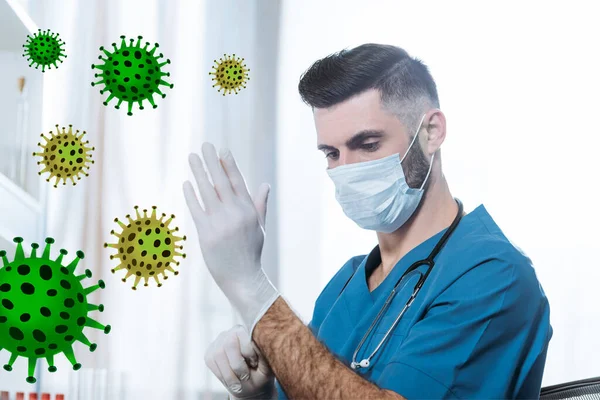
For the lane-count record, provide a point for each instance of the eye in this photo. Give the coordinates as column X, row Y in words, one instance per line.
column 332, row 154
column 370, row 146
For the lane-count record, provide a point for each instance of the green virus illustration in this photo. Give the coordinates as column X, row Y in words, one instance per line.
column 45, row 49
column 230, row 74
column 146, row 247
column 132, row 74
column 65, row 155
column 43, row 307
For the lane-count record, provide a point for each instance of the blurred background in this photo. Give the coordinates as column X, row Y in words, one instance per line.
column 518, row 83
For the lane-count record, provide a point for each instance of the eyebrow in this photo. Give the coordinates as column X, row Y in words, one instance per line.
column 355, row 141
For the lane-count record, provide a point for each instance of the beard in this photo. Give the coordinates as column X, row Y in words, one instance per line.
column 415, row 167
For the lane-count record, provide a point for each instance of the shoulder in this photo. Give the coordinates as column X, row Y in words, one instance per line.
column 482, row 248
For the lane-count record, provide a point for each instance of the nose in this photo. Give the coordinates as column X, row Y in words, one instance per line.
column 348, row 157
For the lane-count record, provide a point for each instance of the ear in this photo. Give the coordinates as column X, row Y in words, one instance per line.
column 434, row 126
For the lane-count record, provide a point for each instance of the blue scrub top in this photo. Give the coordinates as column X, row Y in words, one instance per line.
column 479, row 327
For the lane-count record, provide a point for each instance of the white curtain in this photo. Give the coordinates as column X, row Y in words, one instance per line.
column 159, row 335
column 518, row 82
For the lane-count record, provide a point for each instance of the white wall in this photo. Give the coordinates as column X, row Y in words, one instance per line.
column 518, row 82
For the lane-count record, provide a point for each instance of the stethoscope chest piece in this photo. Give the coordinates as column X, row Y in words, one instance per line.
column 363, row 364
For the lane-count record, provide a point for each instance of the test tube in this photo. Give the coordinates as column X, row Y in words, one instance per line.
column 3, row 395
column 20, row 396
column 60, row 397
column 33, row 396
column 45, row 396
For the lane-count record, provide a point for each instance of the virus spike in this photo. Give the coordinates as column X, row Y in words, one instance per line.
column 93, row 307
column 11, row 361
column 45, row 49
column 50, row 361
column 129, row 273
column 146, row 247
column 136, row 281
column 19, row 254
column 34, row 247
column 73, row 265
column 92, row 323
column 65, row 156
column 49, row 241
column 87, row 274
column 4, row 260
column 63, row 253
column 31, row 369
column 131, row 73
column 68, row 352
column 122, row 225
column 92, row 289
column 49, row 312
column 83, row 339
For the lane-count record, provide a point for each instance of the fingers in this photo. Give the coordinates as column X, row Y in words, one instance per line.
column 232, row 171
column 260, row 202
column 219, row 178
column 247, row 350
column 237, row 363
column 228, row 377
column 207, row 192
column 193, row 203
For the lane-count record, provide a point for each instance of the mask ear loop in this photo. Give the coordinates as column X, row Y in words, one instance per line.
column 415, row 138
column 428, row 172
column 409, row 147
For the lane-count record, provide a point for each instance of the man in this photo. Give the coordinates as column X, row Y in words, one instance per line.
column 479, row 326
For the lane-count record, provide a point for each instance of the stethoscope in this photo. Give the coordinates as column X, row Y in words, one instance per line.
column 429, row 261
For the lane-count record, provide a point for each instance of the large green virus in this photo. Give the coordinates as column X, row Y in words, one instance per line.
column 230, row 74
column 132, row 74
column 146, row 247
column 45, row 49
column 65, row 155
column 43, row 307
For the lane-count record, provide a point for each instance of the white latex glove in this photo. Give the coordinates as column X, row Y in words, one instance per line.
column 231, row 233
column 240, row 366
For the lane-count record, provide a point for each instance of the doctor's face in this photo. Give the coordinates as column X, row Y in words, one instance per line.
column 360, row 129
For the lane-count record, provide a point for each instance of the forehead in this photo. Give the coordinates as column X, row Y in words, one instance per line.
column 361, row 112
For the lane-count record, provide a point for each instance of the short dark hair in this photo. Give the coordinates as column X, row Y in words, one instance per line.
column 406, row 86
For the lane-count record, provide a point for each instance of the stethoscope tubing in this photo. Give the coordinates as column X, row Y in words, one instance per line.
column 429, row 261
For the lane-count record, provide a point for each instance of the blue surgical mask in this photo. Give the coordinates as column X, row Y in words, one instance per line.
column 374, row 194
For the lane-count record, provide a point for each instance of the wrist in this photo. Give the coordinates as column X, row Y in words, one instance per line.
column 254, row 299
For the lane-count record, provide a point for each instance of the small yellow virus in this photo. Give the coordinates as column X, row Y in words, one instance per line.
column 65, row 155
column 146, row 247
column 230, row 74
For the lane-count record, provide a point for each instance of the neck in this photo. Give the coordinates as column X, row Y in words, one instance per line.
column 435, row 213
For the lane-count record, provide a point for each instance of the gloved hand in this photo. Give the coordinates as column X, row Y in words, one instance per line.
column 231, row 233
column 240, row 366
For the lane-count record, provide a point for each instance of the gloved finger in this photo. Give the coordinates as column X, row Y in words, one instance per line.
column 237, row 363
column 260, row 202
column 212, row 365
column 207, row 191
column 231, row 381
column 233, row 173
column 193, row 204
column 219, row 178
column 246, row 348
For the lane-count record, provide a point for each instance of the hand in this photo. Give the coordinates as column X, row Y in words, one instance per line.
column 240, row 366
column 231, row 232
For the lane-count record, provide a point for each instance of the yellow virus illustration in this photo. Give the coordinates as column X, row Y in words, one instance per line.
column 146, row 247
column 65, row 155
column 230, row 74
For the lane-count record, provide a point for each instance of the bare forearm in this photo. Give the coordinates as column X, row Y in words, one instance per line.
column 303, row 366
